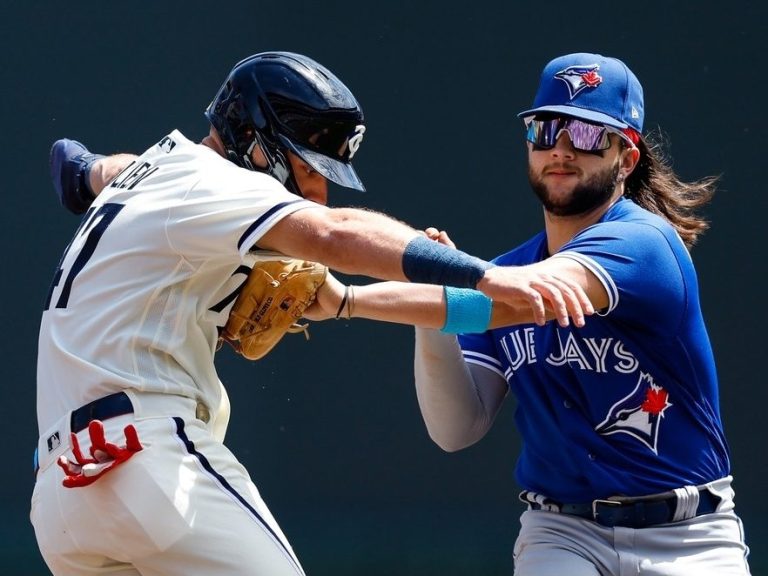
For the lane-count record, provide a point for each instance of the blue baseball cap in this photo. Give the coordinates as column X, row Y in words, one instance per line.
column 590, row 87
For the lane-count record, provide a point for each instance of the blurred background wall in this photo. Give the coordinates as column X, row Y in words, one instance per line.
column 329, row 428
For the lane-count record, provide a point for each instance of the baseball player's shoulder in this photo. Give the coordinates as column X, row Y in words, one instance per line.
column 629, row 223
column 627, row 212
column 217, row 175
column 175, row 148
column 213, row 175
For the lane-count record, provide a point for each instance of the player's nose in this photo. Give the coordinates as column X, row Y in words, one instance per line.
column 563, row 145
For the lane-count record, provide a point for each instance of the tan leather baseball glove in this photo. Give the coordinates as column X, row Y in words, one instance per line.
column 272, row 301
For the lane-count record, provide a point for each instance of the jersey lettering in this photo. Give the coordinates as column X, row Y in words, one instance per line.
column 132, row 175
column 570, row 353
column 594, row 354
column 91, row 229
column 519, row 349
column 599, row 350
column 627, row 362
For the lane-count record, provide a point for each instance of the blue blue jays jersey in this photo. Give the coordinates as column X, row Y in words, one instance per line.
column 627, row 404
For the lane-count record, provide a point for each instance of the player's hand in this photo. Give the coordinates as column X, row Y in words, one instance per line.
column 105, row 456
column 542, row 292
column 327, row 300
column 440, row 236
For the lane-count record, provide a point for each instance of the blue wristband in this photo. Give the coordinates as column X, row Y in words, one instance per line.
column 466, row 311
column 430, row 262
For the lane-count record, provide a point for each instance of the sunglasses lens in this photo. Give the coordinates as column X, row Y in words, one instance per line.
column 584, row 136
column 543, row 133
column 588, row 136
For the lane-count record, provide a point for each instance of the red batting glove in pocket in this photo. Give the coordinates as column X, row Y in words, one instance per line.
column 105, row 456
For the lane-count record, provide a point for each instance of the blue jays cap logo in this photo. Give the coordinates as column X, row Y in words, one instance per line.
column 579, row 78
column 639, row 413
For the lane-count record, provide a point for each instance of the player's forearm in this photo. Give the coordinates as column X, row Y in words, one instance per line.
column 351, row 241
column 355, row 241
column 399, row 302
column 422, row 305
column 455, row 412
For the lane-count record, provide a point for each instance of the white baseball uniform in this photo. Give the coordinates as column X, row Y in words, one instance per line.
column 135, row 307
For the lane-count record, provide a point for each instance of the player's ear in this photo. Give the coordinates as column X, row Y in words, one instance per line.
column 629, row 159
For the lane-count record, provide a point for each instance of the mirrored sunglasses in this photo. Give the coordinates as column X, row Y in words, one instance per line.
column 584, row 136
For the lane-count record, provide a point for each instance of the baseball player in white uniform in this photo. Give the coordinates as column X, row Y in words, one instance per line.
column 132, row 473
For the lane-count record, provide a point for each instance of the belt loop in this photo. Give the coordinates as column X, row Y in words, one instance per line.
column 539, row 502
column 687, row 502
column 202, row 413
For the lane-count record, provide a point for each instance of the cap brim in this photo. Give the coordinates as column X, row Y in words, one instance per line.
column 576, row 112
column 335, row 171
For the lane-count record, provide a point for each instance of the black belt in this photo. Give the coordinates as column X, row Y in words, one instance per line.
column 636, row 513
column 102, row 409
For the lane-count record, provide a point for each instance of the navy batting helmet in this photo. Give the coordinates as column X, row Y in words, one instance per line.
column 283, row 102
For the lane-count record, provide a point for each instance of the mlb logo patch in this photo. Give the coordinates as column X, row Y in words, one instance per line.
column 54, row 441
column 166, row 144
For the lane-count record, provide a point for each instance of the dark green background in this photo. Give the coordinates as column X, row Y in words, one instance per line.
column 330, row 428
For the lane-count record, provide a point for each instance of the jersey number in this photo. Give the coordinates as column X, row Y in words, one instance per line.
column 92, row 228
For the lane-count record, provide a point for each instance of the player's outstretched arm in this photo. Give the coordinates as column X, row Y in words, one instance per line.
column 367, row 243
column 421, row 305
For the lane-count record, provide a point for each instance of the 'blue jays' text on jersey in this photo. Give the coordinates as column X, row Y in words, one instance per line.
column 628, row 404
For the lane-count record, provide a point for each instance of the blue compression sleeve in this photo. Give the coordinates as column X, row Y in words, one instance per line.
column 466, row 311
column 429, row 262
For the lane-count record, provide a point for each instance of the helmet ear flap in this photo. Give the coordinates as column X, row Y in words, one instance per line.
column 280, row 168
column 278, row 165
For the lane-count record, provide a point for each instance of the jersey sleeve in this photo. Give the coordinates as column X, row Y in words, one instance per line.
column 639, row 265
column 230, row 214
column 479, row 349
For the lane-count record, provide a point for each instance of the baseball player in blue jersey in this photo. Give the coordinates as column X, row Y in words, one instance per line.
column 624, row 465
column 133, row 476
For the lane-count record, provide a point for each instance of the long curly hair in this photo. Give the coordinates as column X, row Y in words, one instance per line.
column 655, row 186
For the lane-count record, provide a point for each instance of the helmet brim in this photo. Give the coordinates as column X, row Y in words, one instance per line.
column 338, row 172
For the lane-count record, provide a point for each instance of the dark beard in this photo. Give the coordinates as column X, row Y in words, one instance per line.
column 584, row 198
